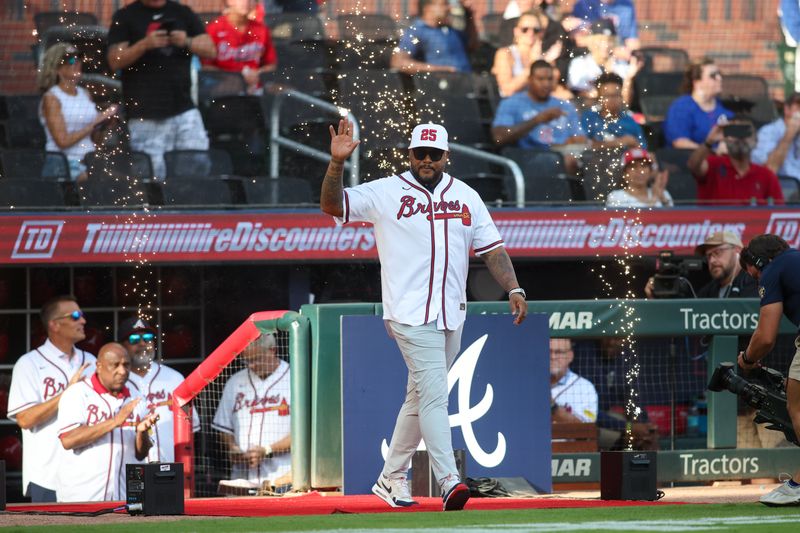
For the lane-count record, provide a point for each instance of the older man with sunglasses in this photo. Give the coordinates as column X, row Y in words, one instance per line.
column 155, row 383
column 426, row 223
column 38, row 381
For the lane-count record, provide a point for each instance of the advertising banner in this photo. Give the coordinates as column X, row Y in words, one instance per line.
column 309, row 235
column 499, row 399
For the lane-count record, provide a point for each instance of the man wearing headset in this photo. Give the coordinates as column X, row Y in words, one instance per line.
column 776, row 267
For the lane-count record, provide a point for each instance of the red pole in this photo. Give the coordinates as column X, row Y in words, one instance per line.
column 184, row 444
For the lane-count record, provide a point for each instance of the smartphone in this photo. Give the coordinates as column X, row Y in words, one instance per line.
column 167, row 25
column 737, row 131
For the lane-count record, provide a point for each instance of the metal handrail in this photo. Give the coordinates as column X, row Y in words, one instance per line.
column 510, row 164
column 276, row 140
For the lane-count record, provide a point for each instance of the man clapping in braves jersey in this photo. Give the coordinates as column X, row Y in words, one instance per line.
column 253, row 417
column 101, row 428
column 426, row 222
column 39, row 379
column 155, row 383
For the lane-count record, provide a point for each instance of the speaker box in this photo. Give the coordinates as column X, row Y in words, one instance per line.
column 155, row 488
column 423, row 482
column 2, row 485
column 628, row 475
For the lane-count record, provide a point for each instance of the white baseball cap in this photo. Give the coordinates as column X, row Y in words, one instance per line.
column 430, row 135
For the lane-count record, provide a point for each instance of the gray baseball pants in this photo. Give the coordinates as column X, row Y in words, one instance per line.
column 428, row 353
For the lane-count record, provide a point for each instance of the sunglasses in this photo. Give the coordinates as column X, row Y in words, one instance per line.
column 534, row 29
column 71, row 59
column 136, row 338
column 75, row 315
column 434, row 153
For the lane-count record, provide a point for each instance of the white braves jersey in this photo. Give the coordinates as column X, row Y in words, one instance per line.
column 256, row 413
column 577, row 395
column 38, row 376
column 95, row 472
column 156, row 388
column 424, row 240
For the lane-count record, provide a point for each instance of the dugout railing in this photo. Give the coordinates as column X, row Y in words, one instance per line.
column 714, row 325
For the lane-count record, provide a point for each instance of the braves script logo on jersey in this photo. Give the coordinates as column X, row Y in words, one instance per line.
column 52, row 388
column 261, row 405
column 37, row 239
column 409, row 206
column 462, row 372
column 157, row 399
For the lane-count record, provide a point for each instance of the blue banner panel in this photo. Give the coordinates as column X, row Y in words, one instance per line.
column 499, row 399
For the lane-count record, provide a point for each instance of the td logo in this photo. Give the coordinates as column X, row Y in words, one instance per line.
column 37, row 239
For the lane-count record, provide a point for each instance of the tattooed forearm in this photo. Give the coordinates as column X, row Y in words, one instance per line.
column 501, row 269
column 330, row 200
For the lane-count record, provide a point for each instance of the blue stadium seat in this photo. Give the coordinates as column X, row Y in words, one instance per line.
column 20, row 194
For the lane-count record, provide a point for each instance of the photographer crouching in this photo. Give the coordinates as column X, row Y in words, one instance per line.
column 776, row 268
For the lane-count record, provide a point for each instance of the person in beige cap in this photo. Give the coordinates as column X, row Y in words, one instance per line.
column 721, row 250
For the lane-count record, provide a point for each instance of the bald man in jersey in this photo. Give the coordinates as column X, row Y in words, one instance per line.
column 426, row 223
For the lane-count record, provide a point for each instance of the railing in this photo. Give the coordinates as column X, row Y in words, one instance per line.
column 510, row 164
column 277, row 140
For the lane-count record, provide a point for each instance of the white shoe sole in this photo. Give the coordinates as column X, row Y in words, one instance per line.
column 787, row 504
column 378, row 491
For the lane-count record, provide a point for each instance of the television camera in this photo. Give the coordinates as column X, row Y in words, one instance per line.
column 670, row 280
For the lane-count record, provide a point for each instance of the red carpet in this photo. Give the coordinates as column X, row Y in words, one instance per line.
column 316, row 503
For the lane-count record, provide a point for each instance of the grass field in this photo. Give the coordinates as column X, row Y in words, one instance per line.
column 750, row 517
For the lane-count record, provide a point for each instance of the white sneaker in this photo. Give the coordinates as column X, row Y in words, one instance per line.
column 393, row 491
column 782, row 495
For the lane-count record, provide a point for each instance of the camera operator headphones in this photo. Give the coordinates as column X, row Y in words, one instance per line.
column 752, row 259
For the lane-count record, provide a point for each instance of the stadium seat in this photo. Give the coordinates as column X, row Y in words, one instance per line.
column 602, row 173
column 197, row 163
column 462, row 116
column 32, row 163
column 91, row 41
column 19, row 106
column 791, row 189
column 22, row 133
column 497, row 31
column 663, row 59
column 196, row 192
column 213, row 84
column 655, row 84
column 48, row 19
column 682, row 187
column 544, row 173
column 301, row 55
column 269, row 191
column 752, row 88
column 674, row 159
column 435, row 84
column 119, row 166
column 295, row 27
column 237, row 125
column 377, row 163
column 352, row 55
column 122, row 192
column 491, row 189
column 655, row 106
column 30, row 193
column 367, row 27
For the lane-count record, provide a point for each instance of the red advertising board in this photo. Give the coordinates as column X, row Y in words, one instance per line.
column 279, row 236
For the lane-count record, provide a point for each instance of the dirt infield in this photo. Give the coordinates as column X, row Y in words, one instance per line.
column 705, row 494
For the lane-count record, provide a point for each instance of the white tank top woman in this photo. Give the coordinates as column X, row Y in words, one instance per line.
column 79, row 112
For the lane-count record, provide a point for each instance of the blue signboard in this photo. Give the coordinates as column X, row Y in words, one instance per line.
column 499, row 401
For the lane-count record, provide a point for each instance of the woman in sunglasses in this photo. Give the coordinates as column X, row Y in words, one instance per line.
column 67, row 113
column 512, row 63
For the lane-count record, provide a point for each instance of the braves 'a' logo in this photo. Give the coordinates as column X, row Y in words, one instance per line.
column 409, row 206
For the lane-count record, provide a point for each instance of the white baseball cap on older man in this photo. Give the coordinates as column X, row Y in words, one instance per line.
column 429, row 136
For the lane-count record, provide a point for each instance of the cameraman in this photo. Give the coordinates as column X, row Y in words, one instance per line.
column 721, row 251
column 776, row 267
column 732, row 178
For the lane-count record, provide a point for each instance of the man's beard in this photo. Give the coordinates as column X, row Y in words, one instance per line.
column 431, row 183
column 739, row 149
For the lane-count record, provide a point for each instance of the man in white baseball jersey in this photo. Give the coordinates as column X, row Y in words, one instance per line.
column 101, row 428
column 426, row 222
column 38, row 381
column 253, row 417
column 155, row 383
column 572, row 398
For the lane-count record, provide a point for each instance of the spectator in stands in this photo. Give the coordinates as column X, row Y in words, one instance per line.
column 536, row 119
column 572, row 398
column 608, row 124
column 155, row 383
column 99, row 425
column 644, row 185
column 512, row 64
column 691, row 116
column 592, row 57
column 253, row 417
column 621, row 13
column 732, row 178
column 778, row 144
column 152, row 42
column 243, row 42
column 39, row 380
column 430, row 44
column 67, row 112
